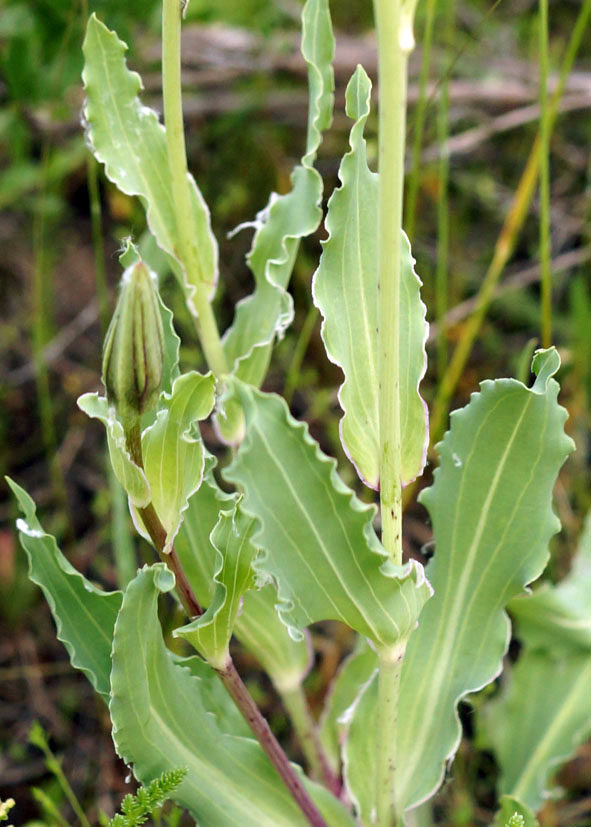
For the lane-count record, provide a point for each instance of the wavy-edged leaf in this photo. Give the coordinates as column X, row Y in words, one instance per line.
column 258, row 627
column 345, row 289
column 543, row 712
column 229, row 779
column 354, row 673
column 193, row 544
column 542, row 715
column 173, row 452
column 559, row 617
column 129, row 140
column 132, row 478
column 84, row 615
column 360, row 751
column 491, row 507
column 317, row 537
column 214, row 697
column 210, row 634
column 265, row 314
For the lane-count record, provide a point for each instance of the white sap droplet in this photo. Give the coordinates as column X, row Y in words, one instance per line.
column 456, row 460
column 25, row 528
column 128, row 779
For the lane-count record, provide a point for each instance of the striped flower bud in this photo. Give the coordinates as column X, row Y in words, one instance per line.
column 133, row 352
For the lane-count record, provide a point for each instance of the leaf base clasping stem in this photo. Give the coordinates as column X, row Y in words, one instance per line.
column 228, row 675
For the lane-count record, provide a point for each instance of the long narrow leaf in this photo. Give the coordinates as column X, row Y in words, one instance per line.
column 258, row 626
column 542, row 716
column 544, row 710
column 84, row 615
column 491, row 507
column 210, row 634
column 345, row 289
column 558, row 618
column 264, row 315
column 129, row 140
column 160, row 722
column 317, row 537
column 173, row 452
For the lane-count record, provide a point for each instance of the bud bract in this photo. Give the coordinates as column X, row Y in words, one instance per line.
column 133, row 352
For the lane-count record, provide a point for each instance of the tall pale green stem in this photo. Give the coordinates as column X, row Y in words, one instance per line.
column 387, row 811
column 395, row 41
column 392, row 61
column 177, row 159
column 545, row 251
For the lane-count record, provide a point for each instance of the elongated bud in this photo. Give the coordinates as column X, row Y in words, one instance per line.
column 133, row 353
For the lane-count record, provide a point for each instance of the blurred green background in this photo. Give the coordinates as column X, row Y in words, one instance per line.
column 61, row 223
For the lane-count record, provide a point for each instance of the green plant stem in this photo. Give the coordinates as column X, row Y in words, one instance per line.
column 228, row 674
column 177, row 158
column 48, row 808
column 392, row 62
column 121, row 537
column 98, row 247
column 394, row 20
column 389, row 673
column 505, row 244
column 419, row 122
column 54, row 766
column 305, row 727
column 293, row 372
column 545, row 244
column 42, row 291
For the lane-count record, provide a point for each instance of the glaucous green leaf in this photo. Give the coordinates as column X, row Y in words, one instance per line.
column 193, row 544
column 360, row 748
column 229, row 779
column 265, row 314
column 542, row 715
column 352, row 675
column 514, row 814
column 173, row 451
column 132, row 478
column 84, row 615
column 345, row 289
column 258, row 626
column 558, row 618
column 129, row 140
column 260, row 629
column 544, row 710
column 491, row 508
column 214, row 697
column 210, row 634
column 317, row 537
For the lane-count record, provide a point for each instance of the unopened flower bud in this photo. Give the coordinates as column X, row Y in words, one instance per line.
column 133, row 353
